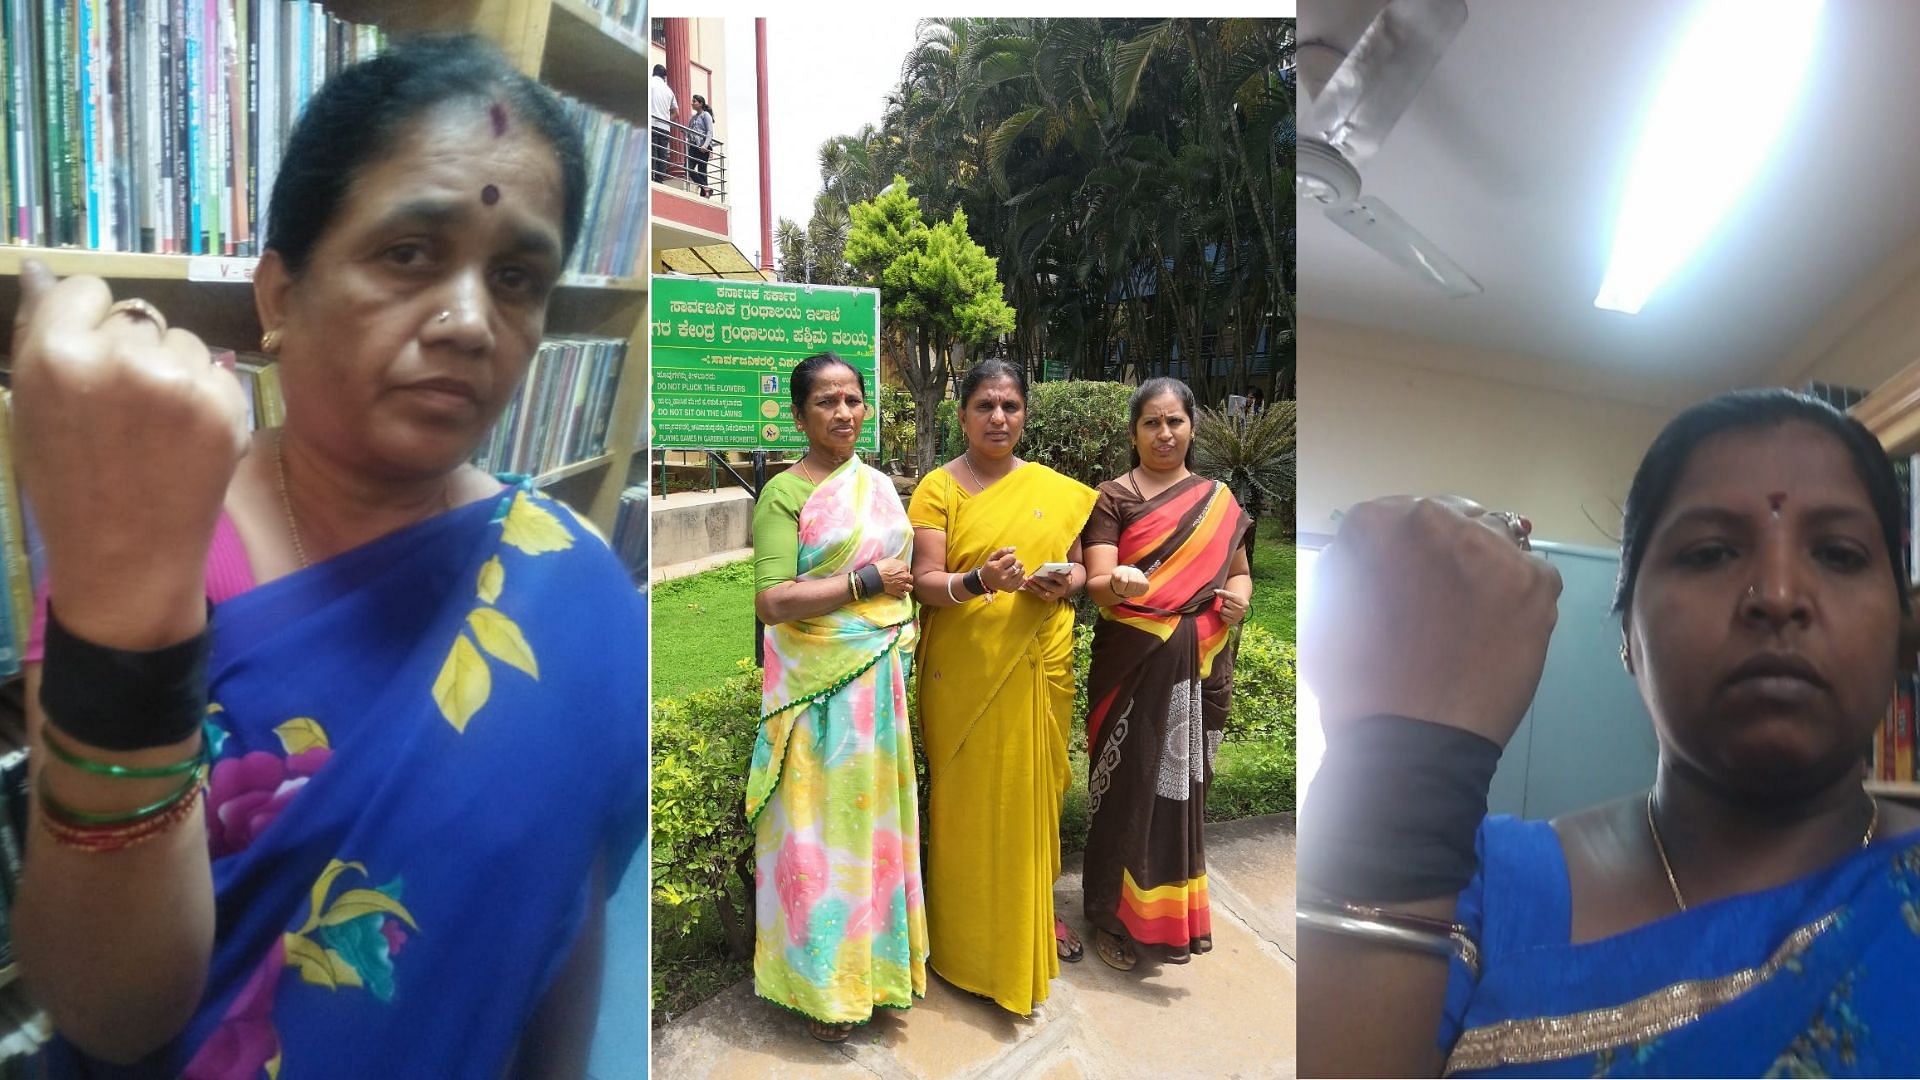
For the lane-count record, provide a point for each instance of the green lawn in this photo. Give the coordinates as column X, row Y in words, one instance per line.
column 1273, row 584
column 702, row 627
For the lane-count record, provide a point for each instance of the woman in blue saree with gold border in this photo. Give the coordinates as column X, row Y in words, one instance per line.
column 1754, row 912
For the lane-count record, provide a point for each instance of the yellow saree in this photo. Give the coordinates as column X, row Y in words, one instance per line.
column 996, row 704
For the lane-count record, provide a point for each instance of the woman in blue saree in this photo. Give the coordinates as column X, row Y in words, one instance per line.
column 417, row 693
column 1756, row 912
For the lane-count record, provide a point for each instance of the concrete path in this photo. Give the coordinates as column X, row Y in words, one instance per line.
column 1226, row 1014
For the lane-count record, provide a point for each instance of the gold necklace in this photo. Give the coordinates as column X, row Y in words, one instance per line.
column 1660, row 849
column 966, row 459
column 286, row 501
column 802, row 466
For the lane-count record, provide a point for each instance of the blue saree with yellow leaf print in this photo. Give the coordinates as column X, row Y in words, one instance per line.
column 421, row 749
column 1818, row 977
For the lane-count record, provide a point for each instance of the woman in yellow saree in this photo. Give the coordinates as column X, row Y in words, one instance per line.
column 996, row 552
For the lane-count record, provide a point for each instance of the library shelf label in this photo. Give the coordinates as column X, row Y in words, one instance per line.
column 217, row 268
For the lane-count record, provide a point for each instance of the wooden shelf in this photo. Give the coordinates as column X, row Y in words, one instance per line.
column 575, row 469
column 633, row 41
column 591, row 57
column 127, row 266
column 1898, row 789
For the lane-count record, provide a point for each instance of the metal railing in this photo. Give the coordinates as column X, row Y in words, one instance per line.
column 678, row 162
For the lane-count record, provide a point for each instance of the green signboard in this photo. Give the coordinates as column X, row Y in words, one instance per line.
column 723, row 350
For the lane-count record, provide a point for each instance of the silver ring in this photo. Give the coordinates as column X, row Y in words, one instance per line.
column 1518, row 530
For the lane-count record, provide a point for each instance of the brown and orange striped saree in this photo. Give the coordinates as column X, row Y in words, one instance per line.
column 1158, row 692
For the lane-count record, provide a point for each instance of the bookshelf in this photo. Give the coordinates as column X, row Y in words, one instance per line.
column 571, row 48
column 1892, row 412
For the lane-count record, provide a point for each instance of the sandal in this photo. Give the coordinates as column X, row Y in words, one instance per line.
column 1071, row 950
column 829, row 1033
column 1116, row 951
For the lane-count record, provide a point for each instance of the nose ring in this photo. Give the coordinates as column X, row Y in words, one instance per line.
column 444, row 316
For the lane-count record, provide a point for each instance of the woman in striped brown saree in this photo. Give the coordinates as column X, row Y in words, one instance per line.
column 1167, row 565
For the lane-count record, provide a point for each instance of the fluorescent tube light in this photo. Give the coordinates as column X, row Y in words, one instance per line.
column 1723, row 105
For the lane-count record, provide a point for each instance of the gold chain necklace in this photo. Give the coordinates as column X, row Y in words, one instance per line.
column 286, row 501
column 1660, row 849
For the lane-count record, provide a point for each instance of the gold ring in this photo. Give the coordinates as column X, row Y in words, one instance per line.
column 138, row 309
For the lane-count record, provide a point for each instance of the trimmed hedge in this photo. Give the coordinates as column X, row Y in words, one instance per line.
column 1077, row 429
column 703, row 850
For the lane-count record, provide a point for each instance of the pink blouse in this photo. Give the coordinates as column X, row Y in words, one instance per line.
column 228, row 575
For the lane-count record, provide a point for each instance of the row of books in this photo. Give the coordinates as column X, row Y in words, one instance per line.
column 157, row 125
column 1892, row 757
column 630, row 533
column 616, row 219
column 563, row 409
column 1893, row 752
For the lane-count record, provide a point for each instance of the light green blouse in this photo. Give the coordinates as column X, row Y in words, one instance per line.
column 776, row 529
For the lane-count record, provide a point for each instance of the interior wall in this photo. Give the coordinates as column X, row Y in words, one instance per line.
column 1376, row 421
column 1867, row 338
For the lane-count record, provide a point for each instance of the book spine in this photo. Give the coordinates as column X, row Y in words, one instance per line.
column 7, row 50
column 196, row 121
column 266, row 114
column 13, row 547
column 152, row 160
column 233, row 184
column 53, row 117
column 249, row 116
column 87, row 68
column 213, row 85
column 1903, row 731
column 125, row 213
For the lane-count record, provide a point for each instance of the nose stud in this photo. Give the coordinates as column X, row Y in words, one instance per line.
column 444, row 316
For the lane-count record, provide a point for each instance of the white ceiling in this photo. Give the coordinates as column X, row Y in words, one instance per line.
column 1512, row 157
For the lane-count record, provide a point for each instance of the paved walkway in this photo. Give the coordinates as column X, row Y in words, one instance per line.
column 1226, row 1014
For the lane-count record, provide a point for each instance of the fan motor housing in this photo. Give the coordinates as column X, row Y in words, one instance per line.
column 1324, row 175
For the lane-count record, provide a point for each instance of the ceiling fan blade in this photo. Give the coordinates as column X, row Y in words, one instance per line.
column 1374, row 224
column 1383, row 73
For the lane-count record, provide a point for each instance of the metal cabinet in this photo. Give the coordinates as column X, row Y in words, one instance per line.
column 1587, row 737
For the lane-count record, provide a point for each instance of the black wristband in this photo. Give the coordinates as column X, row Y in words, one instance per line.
column 120, row 700
column 1394, row 811
column 974, row 583
column 871, row 584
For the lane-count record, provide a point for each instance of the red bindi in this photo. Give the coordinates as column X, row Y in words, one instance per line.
column 489, row 195
column 498, row 112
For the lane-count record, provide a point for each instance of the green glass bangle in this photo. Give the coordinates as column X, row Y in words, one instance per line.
column 71, row 816
column 65, row 755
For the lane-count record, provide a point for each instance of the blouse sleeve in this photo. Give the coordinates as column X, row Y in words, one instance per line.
column 928, row 510
column 1103, row 525
column 776, row 538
